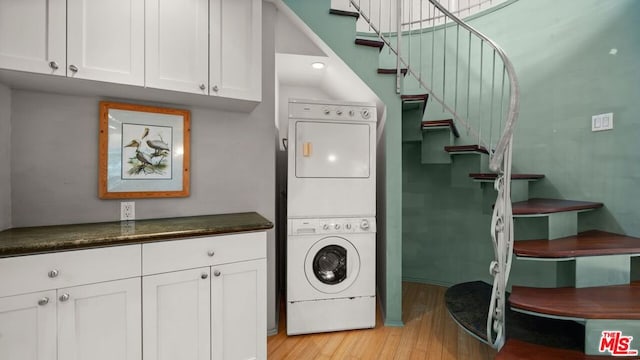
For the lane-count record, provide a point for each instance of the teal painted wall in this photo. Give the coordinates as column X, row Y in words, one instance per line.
column 563, row 54
column 338, row 32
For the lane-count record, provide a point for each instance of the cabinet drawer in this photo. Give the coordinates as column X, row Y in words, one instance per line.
column 179, row 254
column 23, row 274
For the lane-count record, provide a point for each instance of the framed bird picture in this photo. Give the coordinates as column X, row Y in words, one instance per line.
column 143, row 151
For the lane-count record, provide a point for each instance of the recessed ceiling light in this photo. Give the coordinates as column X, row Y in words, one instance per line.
column 317, row 65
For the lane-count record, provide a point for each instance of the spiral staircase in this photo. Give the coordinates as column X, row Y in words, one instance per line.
column 593, row 308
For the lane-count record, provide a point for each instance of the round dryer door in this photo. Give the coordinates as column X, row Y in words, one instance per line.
column 332, row 265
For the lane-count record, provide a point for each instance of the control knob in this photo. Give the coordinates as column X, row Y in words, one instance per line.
column 337, row 226
column 326, row 111
column 365, row 114
column 352, row 113
column 364, row 224
column 325, row 227
column 338, row 112
column 347, row 226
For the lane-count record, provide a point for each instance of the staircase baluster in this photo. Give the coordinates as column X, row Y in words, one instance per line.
column 444, row 63
column 493, row 82
column 455, row 98
column 468, row 81
column 480, row 90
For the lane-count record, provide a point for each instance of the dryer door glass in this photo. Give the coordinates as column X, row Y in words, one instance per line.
column 332, row 150
column 330, row 264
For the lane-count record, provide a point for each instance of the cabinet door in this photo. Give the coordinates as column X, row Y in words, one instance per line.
column 100, row 321
column 236, row 49
column 105, row 40
column 28, row 326
column 176, row 319
column 177, row 45
column 239, row 311
column 33, row 36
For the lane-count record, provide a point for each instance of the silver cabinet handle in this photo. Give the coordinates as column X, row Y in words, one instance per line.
column 73, row 68
column 53, row 65
column 216, row 273
column 64, row 297
column 44, row 301
column 215, row 88
column 204, row 275
column 211, row 253
column 202, row 87
column 54, row 273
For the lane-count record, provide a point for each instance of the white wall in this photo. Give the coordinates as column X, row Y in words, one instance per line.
column 5, row 157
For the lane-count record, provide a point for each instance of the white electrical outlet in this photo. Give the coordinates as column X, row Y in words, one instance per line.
column 127, row 210
column 602, row 122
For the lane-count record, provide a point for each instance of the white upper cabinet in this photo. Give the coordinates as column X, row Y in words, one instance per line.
column 33, row 36
column 105, row 40
column 235, row 49
column 177, row 42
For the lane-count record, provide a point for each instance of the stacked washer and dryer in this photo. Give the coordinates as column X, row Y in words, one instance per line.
column 331, row 209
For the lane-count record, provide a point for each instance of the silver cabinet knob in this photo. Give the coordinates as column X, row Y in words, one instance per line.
column 204, row 275
column 53, row 273
column 44, row 301
column 215, row 88
column 211, row 253
column 73, row 68
column 216, row 273
column 53, row 65
column 64, row 297
column 202, row 87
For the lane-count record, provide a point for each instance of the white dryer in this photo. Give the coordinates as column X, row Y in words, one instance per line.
column 330, row 274
column 332, row 159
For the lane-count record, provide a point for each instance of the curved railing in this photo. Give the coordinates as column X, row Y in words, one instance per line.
column 486, row 110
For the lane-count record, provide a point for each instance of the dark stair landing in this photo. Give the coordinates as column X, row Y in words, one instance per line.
column 515, row 349
column 587, row 243
column 468, row 305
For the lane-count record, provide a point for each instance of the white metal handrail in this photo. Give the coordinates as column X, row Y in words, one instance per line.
column 500, row 156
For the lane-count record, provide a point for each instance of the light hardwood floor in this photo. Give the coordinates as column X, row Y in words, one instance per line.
column 428, row 333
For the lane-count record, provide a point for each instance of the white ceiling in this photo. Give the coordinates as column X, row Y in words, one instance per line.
column 297, row 47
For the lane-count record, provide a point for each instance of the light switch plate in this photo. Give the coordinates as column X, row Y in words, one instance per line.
column 602, row 122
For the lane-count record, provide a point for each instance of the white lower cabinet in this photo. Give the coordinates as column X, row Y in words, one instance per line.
column 205, row 298
column 239, row 318
column 28, row 326
column 177, row 321
column 89, row 306
column 100, row 321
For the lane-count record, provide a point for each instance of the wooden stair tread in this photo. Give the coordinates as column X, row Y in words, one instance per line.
column 441, row 123
column 466, row 149
column 354, row 14
column 601, row 302
column 493, row 176
column 539, row 206
column 371, row 43
column 515, row 349
column 588, row 243
column 420, row 99
column 403, row 71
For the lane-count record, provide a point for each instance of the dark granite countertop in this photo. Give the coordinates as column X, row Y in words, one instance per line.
column 40, row 239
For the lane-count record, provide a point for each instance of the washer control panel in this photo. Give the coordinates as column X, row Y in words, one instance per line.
column 364, row 112
column 332, row 226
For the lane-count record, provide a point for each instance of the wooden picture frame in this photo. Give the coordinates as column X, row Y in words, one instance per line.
column 144, row 151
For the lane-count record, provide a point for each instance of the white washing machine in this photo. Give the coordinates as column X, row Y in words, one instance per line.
column 331, row 274
column 332, row 159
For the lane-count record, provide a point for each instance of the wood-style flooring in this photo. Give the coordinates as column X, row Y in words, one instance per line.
column 428, row 333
